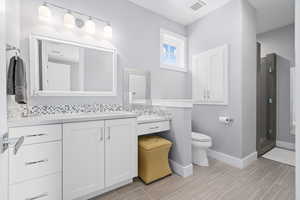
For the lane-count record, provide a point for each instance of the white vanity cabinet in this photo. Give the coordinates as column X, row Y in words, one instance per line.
column 83, row 158
column 73, row 159
column 98, row 155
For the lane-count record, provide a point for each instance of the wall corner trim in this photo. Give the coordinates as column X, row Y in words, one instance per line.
column 285, row 145
column 175, row 103
column 231, row 160
column 183, row 171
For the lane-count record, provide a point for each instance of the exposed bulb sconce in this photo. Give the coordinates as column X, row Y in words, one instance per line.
column 90, row 26
column 44, row 12
column 108, row 31
column 69, row 20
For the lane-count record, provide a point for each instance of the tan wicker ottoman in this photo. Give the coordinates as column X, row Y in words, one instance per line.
column 153, row 158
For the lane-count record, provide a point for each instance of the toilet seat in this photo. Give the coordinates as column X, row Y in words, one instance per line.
column 200, row 137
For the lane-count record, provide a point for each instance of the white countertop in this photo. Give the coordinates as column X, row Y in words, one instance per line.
column 67, row 118
column 151, row 118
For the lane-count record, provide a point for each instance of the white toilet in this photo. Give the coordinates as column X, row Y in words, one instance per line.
column 200, row 145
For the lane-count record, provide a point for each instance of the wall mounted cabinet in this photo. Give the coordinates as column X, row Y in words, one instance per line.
column 210, row 76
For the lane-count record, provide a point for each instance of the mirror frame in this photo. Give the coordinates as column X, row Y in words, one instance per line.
column 34, row 69
column 134, row 71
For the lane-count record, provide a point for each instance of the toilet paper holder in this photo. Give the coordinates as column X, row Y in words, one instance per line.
column 226, row 120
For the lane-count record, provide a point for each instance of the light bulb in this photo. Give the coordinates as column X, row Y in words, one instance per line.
column 108, row 31
column 44, row 13
column 69, row 20
column 90, row 26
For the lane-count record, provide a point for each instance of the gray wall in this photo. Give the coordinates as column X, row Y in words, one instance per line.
column 180, row 135
column 222, row 26
column 249, row 66
column 282, row 42
column 135, row 34
column 233, row 24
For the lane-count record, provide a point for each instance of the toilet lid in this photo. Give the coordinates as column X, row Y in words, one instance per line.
column 200, row 137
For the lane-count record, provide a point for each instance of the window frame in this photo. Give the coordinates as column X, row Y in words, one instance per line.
column 178, row 41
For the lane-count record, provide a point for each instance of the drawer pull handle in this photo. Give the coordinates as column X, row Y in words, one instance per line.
column 155, row 127
column 35, row 135
column 36, row 162
column 38, row 196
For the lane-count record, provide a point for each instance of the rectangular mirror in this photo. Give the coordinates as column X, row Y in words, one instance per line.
column 137, row 87
column 62, row 68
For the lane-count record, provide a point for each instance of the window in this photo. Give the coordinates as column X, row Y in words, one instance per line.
column 172, row 51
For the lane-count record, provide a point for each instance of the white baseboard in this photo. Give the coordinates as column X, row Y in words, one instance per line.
column 246, row 161
column 183, row 171
column 285, row 145
column 231, row 160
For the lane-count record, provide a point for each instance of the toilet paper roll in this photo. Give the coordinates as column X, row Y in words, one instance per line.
column 224, row 119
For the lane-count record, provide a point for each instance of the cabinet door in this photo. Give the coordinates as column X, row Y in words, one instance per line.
column 83, row 158
column 121, row 150
column 200, row 78
column 210, row 76
column 217, row 86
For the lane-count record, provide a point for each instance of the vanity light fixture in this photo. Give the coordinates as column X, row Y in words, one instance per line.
column 90, row 26
column 69, row 20
column 44, row 12
column 108, row 31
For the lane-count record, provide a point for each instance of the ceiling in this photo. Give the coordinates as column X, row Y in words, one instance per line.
column 272, row 14
column 178, row 10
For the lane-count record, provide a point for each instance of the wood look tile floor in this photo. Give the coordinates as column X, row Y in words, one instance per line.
column 262, row 180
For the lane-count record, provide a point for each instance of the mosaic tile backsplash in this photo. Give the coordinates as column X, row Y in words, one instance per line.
column 42, row 110
column 73, row 109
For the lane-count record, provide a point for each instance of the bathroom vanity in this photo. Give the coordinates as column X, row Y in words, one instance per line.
column 76, row 156
column 72, row 157
column 74, row 152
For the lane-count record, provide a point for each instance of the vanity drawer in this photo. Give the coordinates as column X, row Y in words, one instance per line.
column 37, row 134
column 34, row 161
column 148, row 128
column 45, row 188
